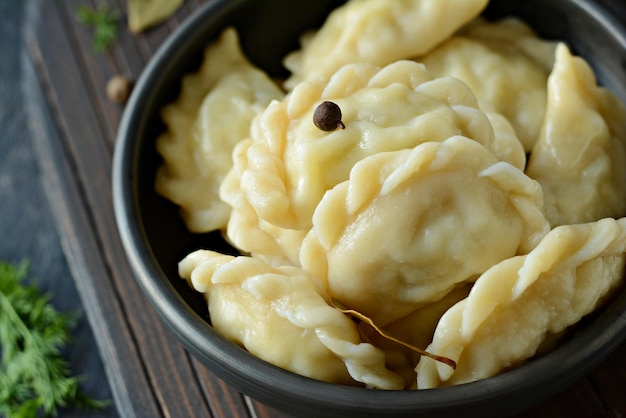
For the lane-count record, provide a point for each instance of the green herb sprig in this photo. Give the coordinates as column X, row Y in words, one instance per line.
column 34, row 377
column 104, row 23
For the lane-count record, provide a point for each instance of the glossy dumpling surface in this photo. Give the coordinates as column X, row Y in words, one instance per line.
column 280, row 315
column 580, row 157
column 213, row 112
column 410, row 225
column 281, row 173
column 378, row 32
column 519, row 303
column 506, row 65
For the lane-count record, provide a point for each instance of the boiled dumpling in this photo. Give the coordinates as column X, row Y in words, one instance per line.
column 281, row 173
column 506, row 65
column 213, row 113
column 416, row 211
column 280, row 315
column 580, row 157
column 410, row 225
column 378, row 32
column 518, row 303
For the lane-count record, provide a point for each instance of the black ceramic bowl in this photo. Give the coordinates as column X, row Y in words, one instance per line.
column 156, row 239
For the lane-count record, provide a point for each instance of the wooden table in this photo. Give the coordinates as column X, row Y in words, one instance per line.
column 149, row 372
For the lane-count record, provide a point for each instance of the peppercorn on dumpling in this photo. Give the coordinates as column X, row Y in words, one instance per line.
column 437, row 215
column 283, row 170
column 518, row 303
column 378, row 32
column 580, row 157
column 212, row 114
column 280, row 315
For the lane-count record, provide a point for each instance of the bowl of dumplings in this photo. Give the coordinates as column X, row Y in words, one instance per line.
column 384, row 208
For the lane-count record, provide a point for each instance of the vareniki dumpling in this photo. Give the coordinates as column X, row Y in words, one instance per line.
column 213, row 112
column 466, row 204
column 438, row 215
column 518, row 303
column 280, row 315
column 580, row 157
column 378, row 32
column 506, row 65
column 282, row 172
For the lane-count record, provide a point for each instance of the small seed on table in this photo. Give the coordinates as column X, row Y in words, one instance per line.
column 119, row 88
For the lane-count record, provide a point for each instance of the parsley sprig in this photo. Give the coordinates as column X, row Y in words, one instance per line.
column 34, row 377
column 104, row 24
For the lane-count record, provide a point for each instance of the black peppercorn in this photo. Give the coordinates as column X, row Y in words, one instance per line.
column 327, row 117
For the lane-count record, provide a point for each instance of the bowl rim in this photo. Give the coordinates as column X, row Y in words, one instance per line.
column 552, row 372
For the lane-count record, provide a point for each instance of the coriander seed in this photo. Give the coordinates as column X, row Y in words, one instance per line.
column 118, row 89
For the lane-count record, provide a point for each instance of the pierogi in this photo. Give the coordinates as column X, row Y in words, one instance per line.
column 439, row 214
column 213, row 113
column 282, row 315
column 517, row 303
column 579, row 156
column 471, row 200
column 283, row 170
column 378, row 32
column 515, row 62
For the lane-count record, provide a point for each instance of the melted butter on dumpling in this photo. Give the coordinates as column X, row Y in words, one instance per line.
column 281, row 315
column 519, row 303
column 378, row 32
column 410, row 225
column 213, row 112
column 580, row 157
column 281, row 173
column 506, row 65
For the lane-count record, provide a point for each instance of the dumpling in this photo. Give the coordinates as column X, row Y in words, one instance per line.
column 522, row 301
column 580, row 157
column 506, row 65
column 282, row 171
column 378, row 32
column 410, row 225
column 280, row 315
column 213, row 113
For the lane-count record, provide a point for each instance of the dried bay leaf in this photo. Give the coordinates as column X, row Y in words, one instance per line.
column 363, row 318
column 143, row 14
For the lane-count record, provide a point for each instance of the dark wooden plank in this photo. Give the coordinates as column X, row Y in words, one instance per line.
column 127, row 57
column 27, row 224
column 124, row 366
column 264, row 411
column 93, row 245
column 94, row 66
column 225, row 401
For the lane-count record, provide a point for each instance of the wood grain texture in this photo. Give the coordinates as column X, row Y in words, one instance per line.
column 27, row 224
column 116, row 344
column 151, row 374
